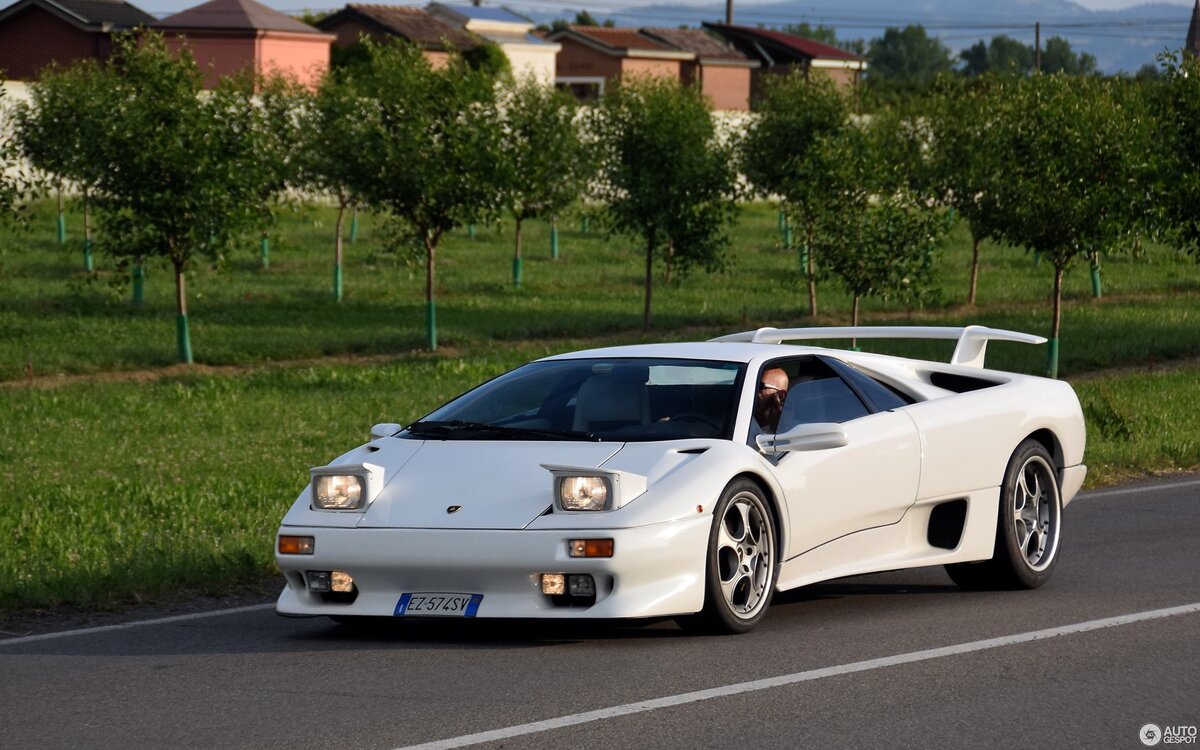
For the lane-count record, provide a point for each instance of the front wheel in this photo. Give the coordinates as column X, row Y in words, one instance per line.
column 1028, row 529
column 743, row 562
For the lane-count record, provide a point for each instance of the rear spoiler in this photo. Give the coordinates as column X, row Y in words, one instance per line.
column 970, row 352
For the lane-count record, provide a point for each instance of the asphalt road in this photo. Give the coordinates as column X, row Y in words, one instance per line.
column 862, row 662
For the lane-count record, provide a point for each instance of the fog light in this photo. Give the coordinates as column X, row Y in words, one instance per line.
column 554, row 583
column 341, row 582
column 581, row 586
column 318, row 580
column 296, row 545
column 590, row 548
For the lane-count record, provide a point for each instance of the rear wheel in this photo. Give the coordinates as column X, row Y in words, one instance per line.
column 742, row 562
column 1028, row 530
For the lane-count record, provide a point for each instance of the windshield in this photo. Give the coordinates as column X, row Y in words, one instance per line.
column 594, row 399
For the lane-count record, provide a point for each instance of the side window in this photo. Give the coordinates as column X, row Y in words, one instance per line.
column 880, row 396
column 817, row 394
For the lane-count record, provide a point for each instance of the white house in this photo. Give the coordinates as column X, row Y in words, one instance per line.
column 529, row 54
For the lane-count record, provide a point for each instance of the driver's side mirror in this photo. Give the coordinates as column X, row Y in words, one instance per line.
column 385, row 429
column 806, row 437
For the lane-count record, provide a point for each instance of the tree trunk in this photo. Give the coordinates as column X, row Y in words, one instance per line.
column 974, row 269
column 338, row 251
column 647, row 318
column 670, row 259
column 854, row 315
column 430, row 302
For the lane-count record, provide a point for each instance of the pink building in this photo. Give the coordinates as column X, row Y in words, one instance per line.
column 230, row 36
column 719, row 69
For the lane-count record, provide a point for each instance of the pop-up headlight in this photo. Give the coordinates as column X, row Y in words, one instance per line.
column 584, row 489
column 345, row 487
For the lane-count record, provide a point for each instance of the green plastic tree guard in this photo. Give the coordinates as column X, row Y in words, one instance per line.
column 185, row 339
column 1096, row 288
column 1052, row 358
column 783, row 221
column 337, row 282
column 264, row 251
column 139, row 285
column 554, row 241
column 62, row 228
column 89, row 264
column 354, row 227
column 431, row 324
column 518, row 271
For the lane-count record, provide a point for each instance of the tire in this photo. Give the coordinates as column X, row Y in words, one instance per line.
column 1028, row 530
column 742, row 562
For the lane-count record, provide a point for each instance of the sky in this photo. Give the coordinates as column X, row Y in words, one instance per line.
column 166, row 7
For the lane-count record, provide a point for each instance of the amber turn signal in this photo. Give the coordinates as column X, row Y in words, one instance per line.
column 590, row 547
column 296, row 545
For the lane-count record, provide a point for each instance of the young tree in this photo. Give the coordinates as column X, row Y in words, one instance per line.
column 182, row 171
column 664, row 175
column 875, row 230
column 60, row 130
column 964, row 165
column 544, row 164
column 437, row 142
column 1075, row 172
column 336, row 137
column 778, row 155
column 14, row 182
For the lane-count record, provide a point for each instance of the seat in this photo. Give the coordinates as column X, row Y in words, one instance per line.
column 610, row 401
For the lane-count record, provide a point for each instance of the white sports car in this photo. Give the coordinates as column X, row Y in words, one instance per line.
column 692, row 481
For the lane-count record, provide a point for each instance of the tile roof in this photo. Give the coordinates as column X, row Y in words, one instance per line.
column 413, row 24
column 88, row 14
column 620, row 39
column 802, row 46
column 697, row 41
column 233, row 15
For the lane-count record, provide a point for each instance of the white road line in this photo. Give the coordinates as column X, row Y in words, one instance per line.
column 136, row 624
column 1140, row 490
column 791, row 679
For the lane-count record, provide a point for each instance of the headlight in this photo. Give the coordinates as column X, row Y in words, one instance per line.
column 339, row 492
column 584, row 493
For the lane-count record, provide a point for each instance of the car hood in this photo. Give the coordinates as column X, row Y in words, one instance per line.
column 495, row 484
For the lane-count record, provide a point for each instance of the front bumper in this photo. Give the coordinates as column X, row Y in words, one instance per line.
column 654, row 571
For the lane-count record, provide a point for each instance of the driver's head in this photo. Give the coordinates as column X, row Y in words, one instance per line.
column 768, row 403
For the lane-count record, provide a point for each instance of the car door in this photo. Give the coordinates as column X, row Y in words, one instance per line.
column 869, row 482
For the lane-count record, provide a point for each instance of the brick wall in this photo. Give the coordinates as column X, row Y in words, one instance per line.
column 32, row 39
column 727, row 87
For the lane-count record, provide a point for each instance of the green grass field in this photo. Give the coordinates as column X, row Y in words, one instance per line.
column 128, row 480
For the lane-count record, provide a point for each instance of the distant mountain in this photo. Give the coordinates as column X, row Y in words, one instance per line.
column 1121, row 40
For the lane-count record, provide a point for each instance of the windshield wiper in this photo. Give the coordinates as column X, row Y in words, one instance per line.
column 461, row 428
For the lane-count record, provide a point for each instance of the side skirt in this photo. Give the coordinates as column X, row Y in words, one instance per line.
column 904, row 544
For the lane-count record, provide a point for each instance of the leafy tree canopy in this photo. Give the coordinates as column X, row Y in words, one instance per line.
column 908, row 55
column 1001, row 55
column 1058, row 57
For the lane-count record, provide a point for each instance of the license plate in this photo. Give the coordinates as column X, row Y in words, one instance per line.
column 438, row 604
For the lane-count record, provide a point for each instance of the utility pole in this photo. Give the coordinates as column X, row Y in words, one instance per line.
column 1037, row 47
column 728, row 12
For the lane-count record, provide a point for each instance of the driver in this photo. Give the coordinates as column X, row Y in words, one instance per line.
column 768, row 403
